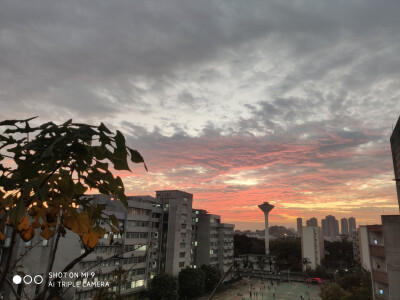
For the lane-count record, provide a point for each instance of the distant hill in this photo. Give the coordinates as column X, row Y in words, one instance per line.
column 280, row 231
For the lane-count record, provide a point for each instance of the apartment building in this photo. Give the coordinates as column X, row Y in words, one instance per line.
column 380, row 254
column 380, row 244
column 312, row 246
column 137, row 249
column 299, row 223
column 330, row 227
column 214, row 241
column 176, row 230
column 34, row 257
column 157, row 234
column 312, row 222
column 352, row 225
column 344, row 226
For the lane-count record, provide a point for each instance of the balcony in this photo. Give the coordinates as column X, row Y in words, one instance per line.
column 380, row 276
column 378, row 251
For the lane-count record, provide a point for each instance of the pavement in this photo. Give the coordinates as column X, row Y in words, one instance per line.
column 259, row 290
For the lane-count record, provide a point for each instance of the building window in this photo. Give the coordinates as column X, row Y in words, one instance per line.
column 183, row 245
column 140, row 283
column 7, row 242
column 183, row 226
column 182, row 254
column 136, row 235
column 181, row 264
column 142, row 248
column 139, row 211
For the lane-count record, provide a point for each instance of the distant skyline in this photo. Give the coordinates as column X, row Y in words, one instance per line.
column 238, row 103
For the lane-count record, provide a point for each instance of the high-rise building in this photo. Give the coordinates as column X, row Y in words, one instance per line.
column 324, row 227
column 380, row 254
column 312, row 246
column 344, row 224
column 299, row 225
column 330, row 227
column 162, row 234
column 213, row 241
column 312, row 222
column 352, row 225
column 380, row 244
column 395, row 145
column 176, row 229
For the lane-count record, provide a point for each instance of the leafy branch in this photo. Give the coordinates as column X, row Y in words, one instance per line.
column 45, row 171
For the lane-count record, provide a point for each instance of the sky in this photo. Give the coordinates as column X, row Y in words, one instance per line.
column 237, row 102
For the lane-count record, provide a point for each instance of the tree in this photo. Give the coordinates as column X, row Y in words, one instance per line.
column 44, row 173
column 212, row 276
column 307, row 263
column 247, row 245
column 353, row 286
column 164, row 286
column 339, row 254
column 357, row 285
column 332, row 291
column 321, row 272
column 288, row 253
column 191, row 283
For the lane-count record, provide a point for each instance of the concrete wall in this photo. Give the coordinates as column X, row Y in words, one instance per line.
column 391, row 236
column 364, row 248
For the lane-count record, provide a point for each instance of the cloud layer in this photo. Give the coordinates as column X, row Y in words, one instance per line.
column 238, row 103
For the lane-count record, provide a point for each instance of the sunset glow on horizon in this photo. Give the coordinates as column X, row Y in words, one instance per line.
column 230, row 176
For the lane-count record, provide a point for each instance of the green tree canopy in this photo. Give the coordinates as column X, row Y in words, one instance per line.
column 212, row 276
column 332, row 291
column 352, row 286
column 191, row 283
column 163, row 286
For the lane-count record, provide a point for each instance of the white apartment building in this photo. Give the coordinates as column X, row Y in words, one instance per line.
column 312, row 245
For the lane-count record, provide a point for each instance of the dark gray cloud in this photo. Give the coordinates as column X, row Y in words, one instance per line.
column 140, row 56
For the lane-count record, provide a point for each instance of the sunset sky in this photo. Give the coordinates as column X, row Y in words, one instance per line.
column 237, row 102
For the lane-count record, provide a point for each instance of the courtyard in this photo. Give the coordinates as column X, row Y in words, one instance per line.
column 247, row 289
